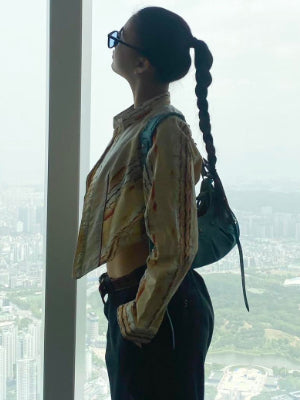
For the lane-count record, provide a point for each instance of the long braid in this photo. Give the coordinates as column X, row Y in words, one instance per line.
column 203, row 63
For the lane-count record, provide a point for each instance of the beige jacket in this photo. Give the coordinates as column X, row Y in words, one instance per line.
column 125, row 203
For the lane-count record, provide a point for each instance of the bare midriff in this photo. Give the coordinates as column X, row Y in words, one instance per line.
column 128, row 259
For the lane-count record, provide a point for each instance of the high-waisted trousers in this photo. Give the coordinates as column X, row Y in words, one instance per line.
column 171, row 366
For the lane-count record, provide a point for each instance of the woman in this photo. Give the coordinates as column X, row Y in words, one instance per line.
column 160, row 315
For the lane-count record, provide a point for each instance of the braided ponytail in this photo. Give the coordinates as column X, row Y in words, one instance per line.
column 203, row 63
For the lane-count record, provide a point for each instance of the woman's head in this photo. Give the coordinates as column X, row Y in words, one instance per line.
column 165, row 39
column 128, row 62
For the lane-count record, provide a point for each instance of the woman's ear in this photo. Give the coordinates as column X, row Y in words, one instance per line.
column 142, row 65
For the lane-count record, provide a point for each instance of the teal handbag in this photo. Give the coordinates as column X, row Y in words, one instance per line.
column 217, row 225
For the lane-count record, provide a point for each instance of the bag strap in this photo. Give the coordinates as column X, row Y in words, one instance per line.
column 147, row 133
column 237, row 238
column 146, row 138
column 242, row 271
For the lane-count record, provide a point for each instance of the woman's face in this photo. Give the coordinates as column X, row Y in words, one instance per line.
column 128, row 62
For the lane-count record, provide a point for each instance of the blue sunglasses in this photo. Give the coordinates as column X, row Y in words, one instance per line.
column 113, row 38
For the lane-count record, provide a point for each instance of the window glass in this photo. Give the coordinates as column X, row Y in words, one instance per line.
column 23, row 100
column 252, row 101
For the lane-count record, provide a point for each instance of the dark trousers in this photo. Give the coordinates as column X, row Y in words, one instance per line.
column 171, row 366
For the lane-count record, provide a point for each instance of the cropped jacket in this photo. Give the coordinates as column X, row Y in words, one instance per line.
column 125, row 203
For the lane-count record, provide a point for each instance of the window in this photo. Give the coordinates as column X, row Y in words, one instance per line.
column 253, row 101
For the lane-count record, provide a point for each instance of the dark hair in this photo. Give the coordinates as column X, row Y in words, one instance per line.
column 166, row 39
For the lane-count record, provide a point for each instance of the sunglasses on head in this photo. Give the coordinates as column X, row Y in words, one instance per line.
column 113, row 38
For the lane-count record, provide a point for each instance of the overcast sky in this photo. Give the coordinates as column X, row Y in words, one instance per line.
column 253, row 99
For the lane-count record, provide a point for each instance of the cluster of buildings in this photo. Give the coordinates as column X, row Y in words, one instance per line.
column 269, row 239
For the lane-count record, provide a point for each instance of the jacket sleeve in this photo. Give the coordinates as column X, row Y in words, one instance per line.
column 171, row 224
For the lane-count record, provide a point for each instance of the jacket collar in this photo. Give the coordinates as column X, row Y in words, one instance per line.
column 130, row 115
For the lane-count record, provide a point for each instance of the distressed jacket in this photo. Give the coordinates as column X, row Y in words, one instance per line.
column 125, row 203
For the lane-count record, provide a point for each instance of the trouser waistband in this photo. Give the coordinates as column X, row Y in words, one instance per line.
column 110, row 285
